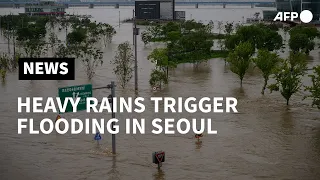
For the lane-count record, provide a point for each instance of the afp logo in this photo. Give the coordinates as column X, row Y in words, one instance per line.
column 46, row 69
column 306, row 16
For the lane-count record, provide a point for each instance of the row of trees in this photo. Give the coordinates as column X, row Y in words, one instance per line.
column 36, row 36
column 265, row 43
column 258, row 44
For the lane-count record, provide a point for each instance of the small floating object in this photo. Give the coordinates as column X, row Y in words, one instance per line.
column 198, row 136
column 155, row 88
column 58, row 117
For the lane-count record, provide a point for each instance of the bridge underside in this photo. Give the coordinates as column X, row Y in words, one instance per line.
column 132, row 3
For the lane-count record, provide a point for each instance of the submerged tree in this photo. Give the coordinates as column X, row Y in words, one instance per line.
column 157, row 78
column 32, row 38
column 4, row 65
column 228, row 28
column 288, row 76
column 107, row 32
column 8, row 64
column 91, row 58
column 82, row 37
column 220, row 27
column 160, row 57
column 62, row 51
column 266, row 61
column 146, row 37
column 315, row 88
column 240, row 59
column 302, row 39
column 123, row 62
column 54, row 42
column 301, row 43
column 260, row 36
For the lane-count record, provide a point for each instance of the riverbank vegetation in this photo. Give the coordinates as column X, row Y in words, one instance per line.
column 267, row 42
column 185, row 42
column 37, row 36
column 257, row 44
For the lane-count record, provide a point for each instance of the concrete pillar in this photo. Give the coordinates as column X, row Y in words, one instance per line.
column 66, row 6
column 91, row 6
column 17, row 6
column 196, row 6
column 252, row 5
column 116, row 6
column 224, row 5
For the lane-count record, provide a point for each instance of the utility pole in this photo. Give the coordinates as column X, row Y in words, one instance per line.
column 112, row 86
column 14, row 41
column 8, row 36
column 133, row 22
column 135, row 33
column 173, row 9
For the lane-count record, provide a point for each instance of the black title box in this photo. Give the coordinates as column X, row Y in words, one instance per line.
column 46, row 68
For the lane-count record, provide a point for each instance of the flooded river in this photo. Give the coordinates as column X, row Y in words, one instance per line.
column 266, row 140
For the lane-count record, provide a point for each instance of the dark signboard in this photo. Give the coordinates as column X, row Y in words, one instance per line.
column 147, row 9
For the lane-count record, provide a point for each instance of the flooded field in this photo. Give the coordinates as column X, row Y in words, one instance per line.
column 266, row 140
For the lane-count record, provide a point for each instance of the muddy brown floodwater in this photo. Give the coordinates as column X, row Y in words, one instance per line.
column 266, row 140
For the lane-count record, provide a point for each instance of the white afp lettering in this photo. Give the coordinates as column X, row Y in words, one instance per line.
column 284, row 16
column 45, row 68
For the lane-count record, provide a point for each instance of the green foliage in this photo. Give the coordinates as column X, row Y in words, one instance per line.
column 63, row 51
column 220, row 27
column 298, row 60
column 54, row 42
column 34, row 49
column 4, row 62
column 315, row 88
column 77, row 36
column 302, row 38
column 266, row 62
column 3, row 74
column 231, row 41
column 193, row 48
column 301, row 43
column 156, row 32
column 190, row 25
column 159, row 56
column 146, row 37
column 7, row 64
column 288, row 82
column 228, row 28
column 30, row 32
column 91, row 58
column 157, row 78
column 107, row 31
column 272, row 26
column 259, row 36
column 123, row 62
column 311, row 32
column 170, row 27
column 239, row 59
column 271, row 40
column 186, row 42
column 288, row 75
